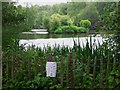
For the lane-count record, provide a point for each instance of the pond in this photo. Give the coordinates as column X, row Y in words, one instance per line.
column 41, row 38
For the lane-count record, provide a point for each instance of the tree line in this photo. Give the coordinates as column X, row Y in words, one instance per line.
column 59, row 18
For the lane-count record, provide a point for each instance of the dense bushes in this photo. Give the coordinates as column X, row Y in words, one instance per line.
column 71, row 29
column 64, row 24
column 82, row 29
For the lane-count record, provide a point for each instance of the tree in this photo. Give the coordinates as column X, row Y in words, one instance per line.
column 66, row 20
column 75, row 8
column 109, row 21
column 85, row 23
column 46, row 22
column 55, row 21
column 89, row 12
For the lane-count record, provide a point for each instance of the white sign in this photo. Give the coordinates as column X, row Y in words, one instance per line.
column 51, row 69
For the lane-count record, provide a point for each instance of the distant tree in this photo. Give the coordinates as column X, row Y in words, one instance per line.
column 89, row 12
column 66, row 20
column 46, row 22
column 55, row 21
column 75, row 8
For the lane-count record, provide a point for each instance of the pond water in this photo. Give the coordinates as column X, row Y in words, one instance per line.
column 41, row 38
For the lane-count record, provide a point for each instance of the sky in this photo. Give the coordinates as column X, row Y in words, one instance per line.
column 40, row 2
column 51, row 2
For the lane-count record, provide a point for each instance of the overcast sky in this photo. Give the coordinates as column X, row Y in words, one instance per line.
column 51, row 2
column 41, row 2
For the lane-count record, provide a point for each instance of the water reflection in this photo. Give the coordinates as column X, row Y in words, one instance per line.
column 40, row 38
column 43, row 42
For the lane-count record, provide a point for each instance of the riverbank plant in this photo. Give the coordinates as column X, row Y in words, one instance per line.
column 71, row 29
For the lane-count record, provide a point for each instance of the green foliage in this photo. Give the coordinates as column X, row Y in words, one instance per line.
column 82, row 29
column 109, row 17
column 85, row 23
column 71, row 29
column 114, row 77
column 109, row 21
column 75, row 8
column 39, row 80
column 90, row 12
column 46, row 22
column 54, row 24
column 66, row 20
column 67, row 29
column 59, row 30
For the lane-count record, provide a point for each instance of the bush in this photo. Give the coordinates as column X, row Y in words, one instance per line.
column 59, row 30
column 85, row 23
column 74, row 28
column 82, row 29
column 67, row 29
column 71, row 29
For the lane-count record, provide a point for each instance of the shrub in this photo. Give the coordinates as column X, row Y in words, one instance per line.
column 71, row 29
column 59, row 30
column 85, row 23
column 82, row 29
column 74, row 28
column 67, row 29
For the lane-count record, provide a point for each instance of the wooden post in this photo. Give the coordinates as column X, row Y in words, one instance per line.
column 18, row 63
column 94, row 71
column 88, row 63
column 12, row 71
column 82, row 62
column 114, row 62
column 35, row 63
column 107, row 72
column 41, row 65
column 49, row 57
column 7, row 67
column 62, row 70
column 114, row 67
column 29, row 68
column 70, row 72
column 75, row 68
column 101, row 72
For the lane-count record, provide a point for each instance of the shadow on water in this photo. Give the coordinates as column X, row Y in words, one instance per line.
column 46, row 36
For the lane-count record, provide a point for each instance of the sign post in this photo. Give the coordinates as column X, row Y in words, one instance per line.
column 51, row 68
